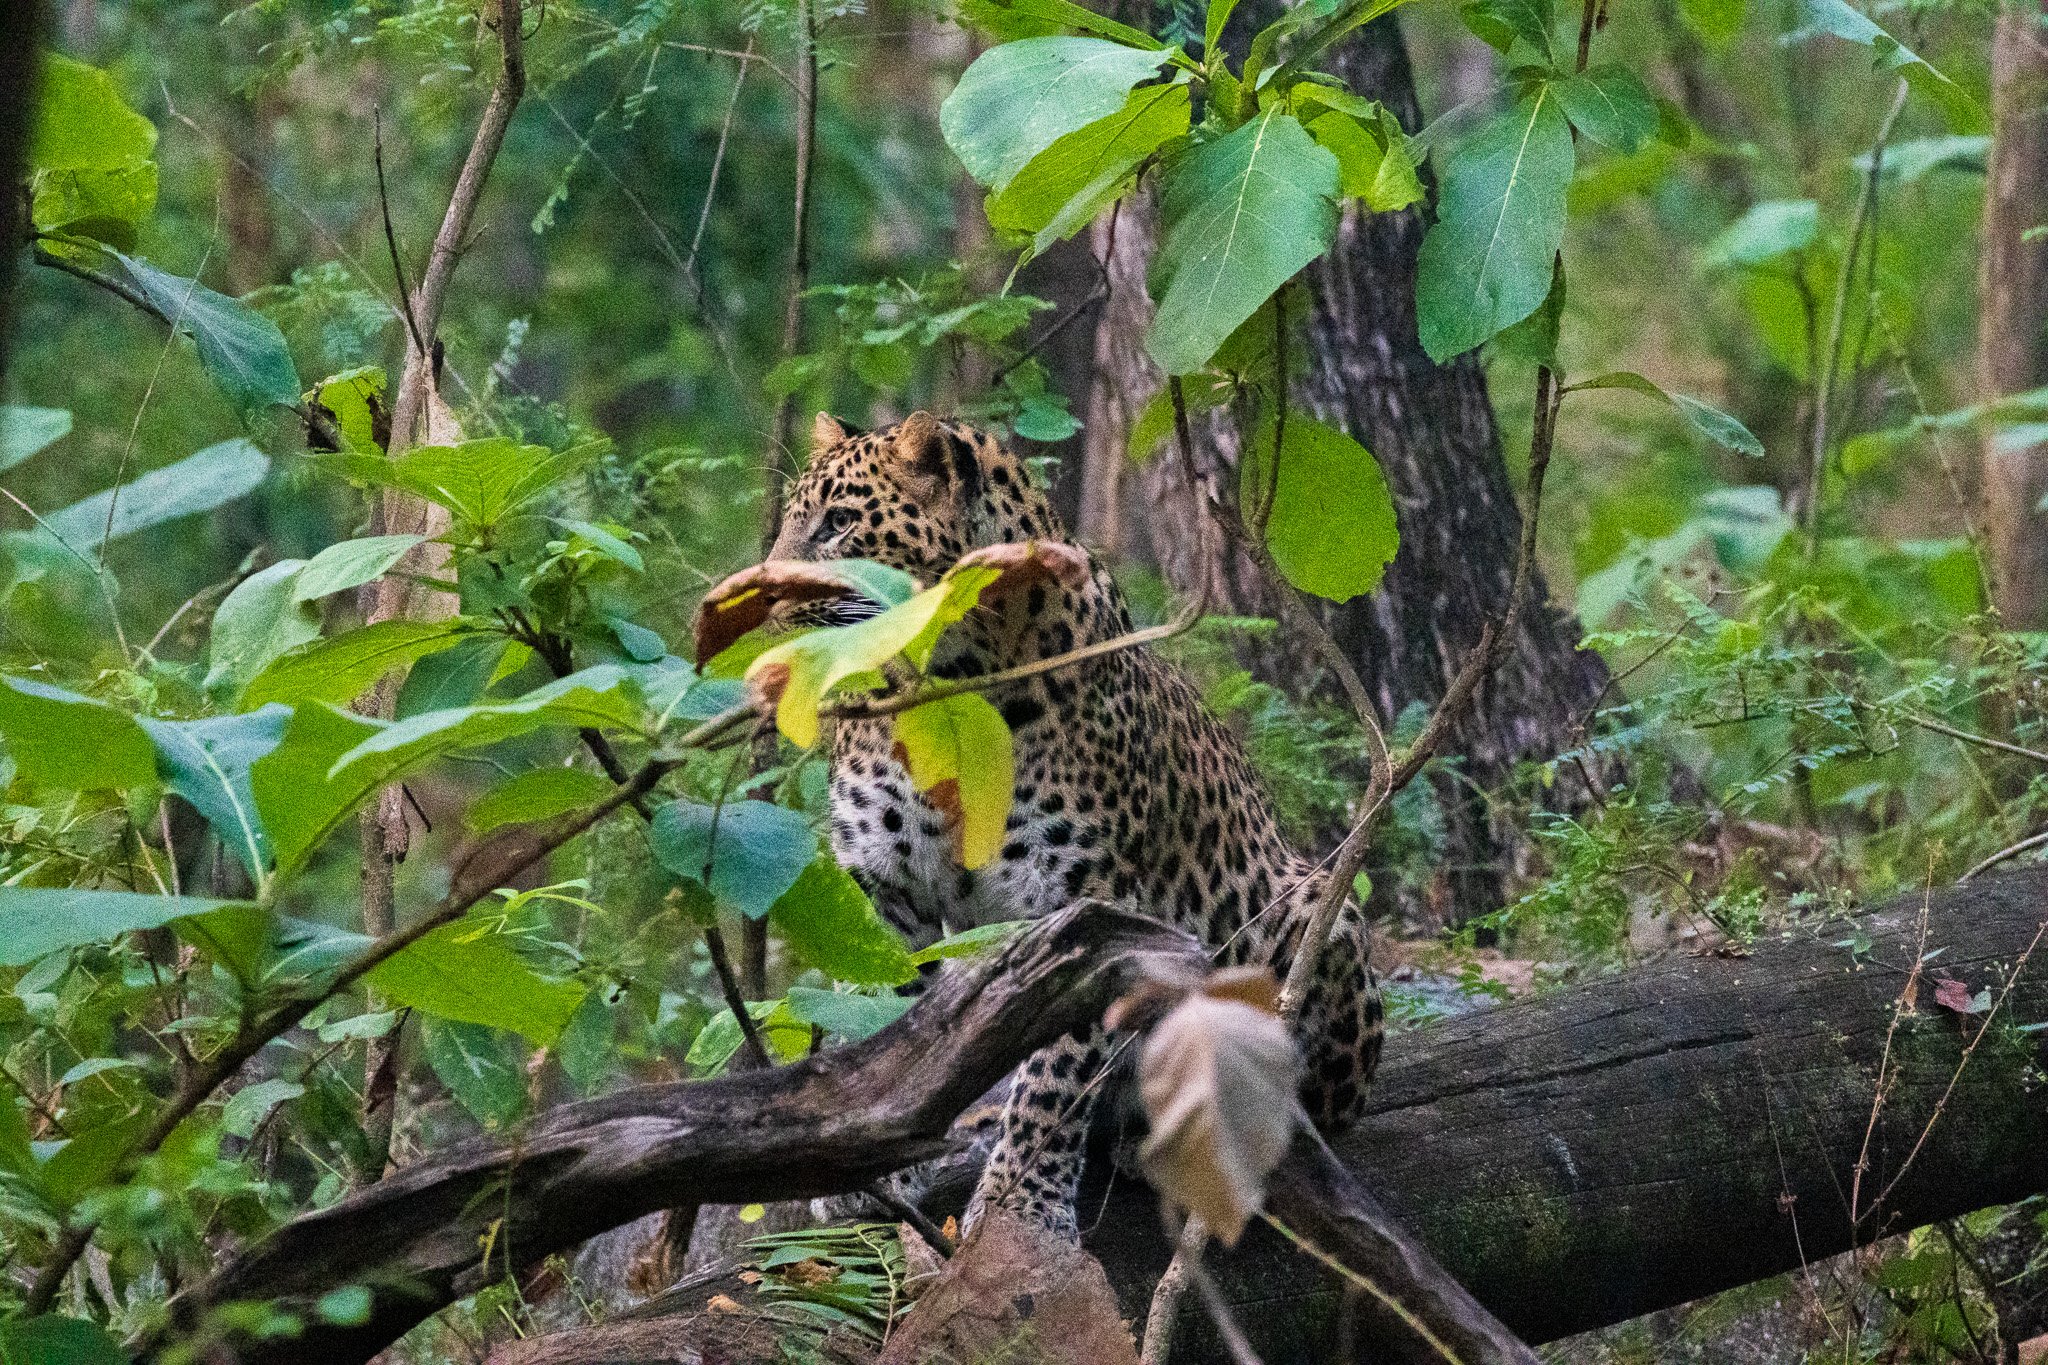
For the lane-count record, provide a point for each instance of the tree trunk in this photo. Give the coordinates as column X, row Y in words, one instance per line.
column 2012, row 324
column 23, row 19
column 1432, row 428
column 1624, row 1145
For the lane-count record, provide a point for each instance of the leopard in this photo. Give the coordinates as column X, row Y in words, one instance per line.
column 1128, row 791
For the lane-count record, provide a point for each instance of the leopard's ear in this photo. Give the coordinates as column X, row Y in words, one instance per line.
column 924, row 443
column 827, row 431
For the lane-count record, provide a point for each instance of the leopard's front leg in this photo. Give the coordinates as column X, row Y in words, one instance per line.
column 1034, row 1170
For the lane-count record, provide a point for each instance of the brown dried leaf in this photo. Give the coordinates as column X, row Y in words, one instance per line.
column 722, row 1303
column 1218, row 1080
column 747, row 598
column 1020, row 564
column 810, row 1273
column 1954, row 996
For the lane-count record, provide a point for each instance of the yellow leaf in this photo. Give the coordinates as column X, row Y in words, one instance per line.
column 1218, row 1081
column 959, row 755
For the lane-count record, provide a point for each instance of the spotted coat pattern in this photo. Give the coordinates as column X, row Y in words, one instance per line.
column 1127, row 789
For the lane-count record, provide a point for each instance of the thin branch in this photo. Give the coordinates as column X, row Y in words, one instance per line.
column 1831, row 349
column 2032, row 841
column 1983, row 741
column 412, row 323
column 780, row 454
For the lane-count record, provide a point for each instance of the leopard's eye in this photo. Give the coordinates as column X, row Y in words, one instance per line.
column 837, row 522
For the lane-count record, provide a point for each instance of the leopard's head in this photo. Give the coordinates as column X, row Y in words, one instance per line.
column 915, row 496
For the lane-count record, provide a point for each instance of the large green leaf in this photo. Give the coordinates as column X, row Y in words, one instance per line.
column 1243, row 215
column 828, row 921
column 1373, row 158
column 77, row 743
column 200, row 482
column 26, row 430
column 1843, row 20
column 959, row 754
column 343, row 668
column 350, row 564
column 748, row 852
column 90, row 155
column 463, row 973
column 54, row 1340
column 260, row 620
column 1486, row 263
column 1610, row 104
column 207, row 762
column 331, row 761
column 40, row 920
column 482, row 482
column 243, row 351
column 82, row 123
column 483, row 1068
column 1331, row 528
column 301, row 804
column 1064, row 186
column 1017, row 99
column 852, row 1017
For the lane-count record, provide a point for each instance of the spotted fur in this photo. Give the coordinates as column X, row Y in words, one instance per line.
column 1128, row 790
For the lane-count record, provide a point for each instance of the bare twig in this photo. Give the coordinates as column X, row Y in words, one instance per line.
column 781, row 455
column 1831, row 349
column 2032, row 841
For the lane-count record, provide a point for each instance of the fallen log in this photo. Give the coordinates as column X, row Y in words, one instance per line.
column 1630, row 1143
column 1643, row 1140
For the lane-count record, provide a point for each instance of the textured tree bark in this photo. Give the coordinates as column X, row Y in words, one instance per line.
column 23, row 20
column 1432, row 428
column 1628, row 1144
column 2012, row 322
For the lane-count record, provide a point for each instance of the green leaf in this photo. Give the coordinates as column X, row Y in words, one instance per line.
column 1714, row 20
column 260, row 620
column 1037, row 18
column 540, row 794
column 483, row 481
column 1062, row 188
column 968, row 942
column 829, row 923
column 198, row 483
column 252, row 1103
column 607, row 543
column 83, row 123
column 484, row 1069
column 716, row 1042
column 54, row 1340
column 353, row 397
column 90, row 1159
column 299, row 801
column 341, row 669
column 1610, row 104
column 1243, row 215
column 1843, row 20
column 1486, row 263
column 753, row 851
column 852, row 1017
column 348, row 1306
column 1498, row 23
column 1373, row 161
column 90, row 155
column 1767, row 231
column 64, row 740
column 1710, row 422
column 331, row 761
column 207, row 762
column 40, row 920
column 958, row 751
column 243, row 351
column 1019, row 98
column 462, row 972
column 26, row 430
column 457, row 676
column 642, row 645
column 350, row 564
column 1332, row 528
